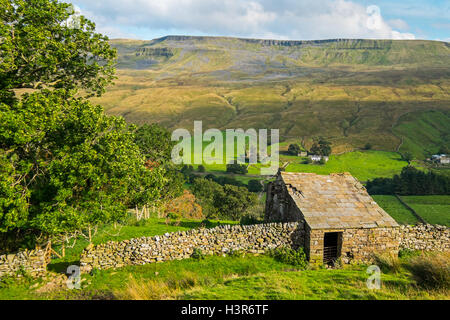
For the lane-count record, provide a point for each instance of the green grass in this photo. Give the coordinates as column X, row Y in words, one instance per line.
column 424, row 133
column 396, row 209
column 433, row 209
column 246, row 278
column 128, row 230
column 362, row 165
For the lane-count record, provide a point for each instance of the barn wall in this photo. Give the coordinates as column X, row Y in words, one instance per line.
column 358, row 245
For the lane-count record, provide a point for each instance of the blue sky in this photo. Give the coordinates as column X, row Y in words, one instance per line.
column 271, row 19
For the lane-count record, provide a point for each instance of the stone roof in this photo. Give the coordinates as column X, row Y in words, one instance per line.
column 336, row 201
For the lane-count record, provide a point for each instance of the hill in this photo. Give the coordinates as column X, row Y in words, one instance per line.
column 350, row 91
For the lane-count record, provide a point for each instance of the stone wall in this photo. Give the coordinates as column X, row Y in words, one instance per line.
column 425, row 237
column 180, row 245
column 355, row 245
column 33, row 262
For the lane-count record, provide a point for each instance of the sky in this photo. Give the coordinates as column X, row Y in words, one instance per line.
column 271, row 19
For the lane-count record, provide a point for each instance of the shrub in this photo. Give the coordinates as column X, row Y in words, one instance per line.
column 290, row 256
column 387, row 261
column 197, row 254
column 185, row 206
column 237, row 168
column 368, row 146
column 201, row 168
column 408, row 253
column 294, row 149
column 147, row 290
column 431, row 270
column 173, row 216
column 249, row 219
column 255, row 186
column 207, row 224
column 407, row 156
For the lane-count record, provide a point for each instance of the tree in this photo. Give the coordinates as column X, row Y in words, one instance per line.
column 294, row 149
column 65, row 165
column 155, row 142
column 39, row 48
column 206, row 191
column 255, row 186
column 234, row 201
column 407, row 156
column 156, row 145
column 411, row 181
column 227, row 202
column 368, row 146
column 237, row 168
column 444, row 150
column 72, row 165
column 321, row 148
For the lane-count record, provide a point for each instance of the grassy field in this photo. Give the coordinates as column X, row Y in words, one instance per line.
column 433, row 209
column 423, row 133
column 362, row 165
column 250, row 277
column 395, row 209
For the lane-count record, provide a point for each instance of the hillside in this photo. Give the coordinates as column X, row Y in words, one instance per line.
column 351, row 91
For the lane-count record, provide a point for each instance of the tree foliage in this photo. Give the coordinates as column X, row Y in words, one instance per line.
column 411, row 181
column 156, row 145
column 237, row 168
column 255, row 186
column 321, row 148
column 294, row 149
column 64, row 164
column 68, row 165
column 39, row 48
column 226, row 202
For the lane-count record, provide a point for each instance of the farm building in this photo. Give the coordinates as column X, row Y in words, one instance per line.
column 317, row 158
column 441, row 158
column 340, row 218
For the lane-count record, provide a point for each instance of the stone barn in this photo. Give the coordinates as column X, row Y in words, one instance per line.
column 340, row 218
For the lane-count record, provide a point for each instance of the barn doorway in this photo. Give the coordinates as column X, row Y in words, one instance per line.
column 331, row 247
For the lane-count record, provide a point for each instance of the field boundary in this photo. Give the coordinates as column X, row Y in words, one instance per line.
column 411, row 209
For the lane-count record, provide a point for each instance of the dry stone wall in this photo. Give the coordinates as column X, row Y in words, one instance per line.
column 180, row 245
column 32, row 262
column 356, row 244
column 425, row 237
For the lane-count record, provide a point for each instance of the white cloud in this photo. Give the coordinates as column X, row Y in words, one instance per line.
column 281, row 19
column 398, row 24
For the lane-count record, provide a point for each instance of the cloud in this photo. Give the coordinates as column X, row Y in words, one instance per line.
column 280, row 19
column 398, row 24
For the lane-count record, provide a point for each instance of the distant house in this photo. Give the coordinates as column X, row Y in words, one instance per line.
column 338, row 218
column 317, row 158
column 441, row 158
column 303, row 154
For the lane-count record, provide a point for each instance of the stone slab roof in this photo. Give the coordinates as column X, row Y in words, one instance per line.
column 336, row 201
